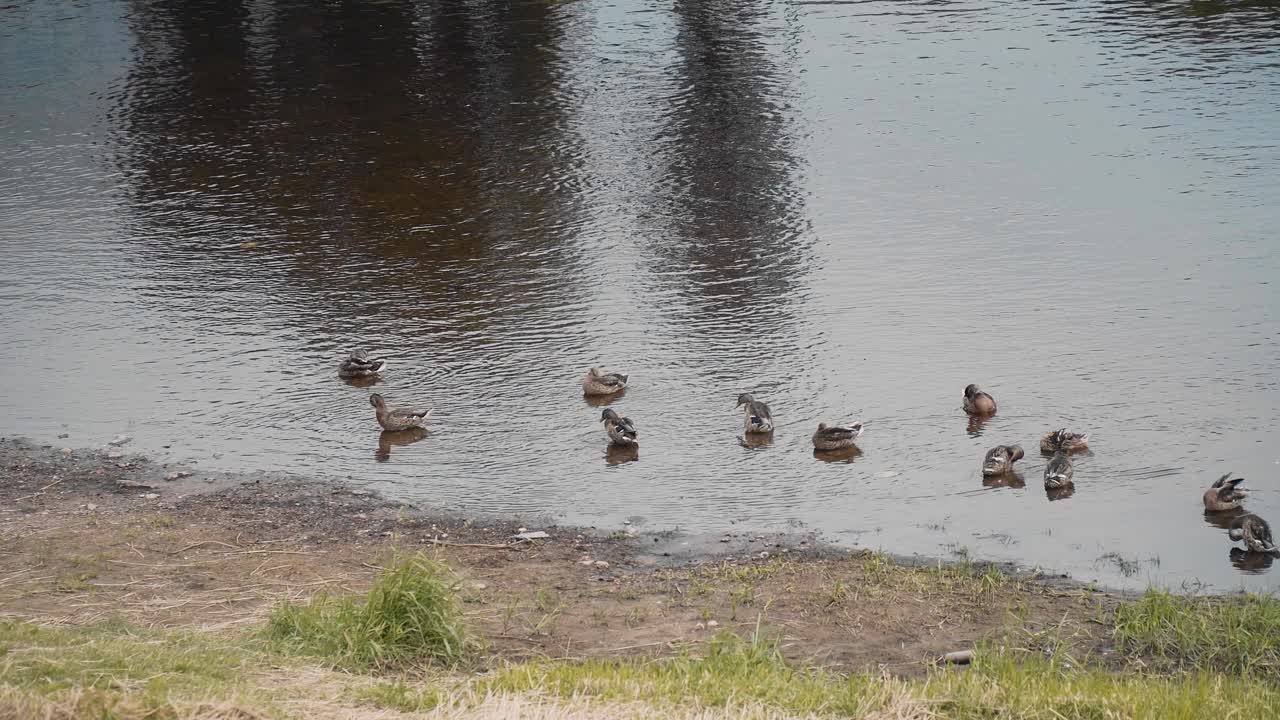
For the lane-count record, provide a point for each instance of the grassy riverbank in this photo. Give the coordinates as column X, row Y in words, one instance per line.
column 404, row 648
column 291, row 600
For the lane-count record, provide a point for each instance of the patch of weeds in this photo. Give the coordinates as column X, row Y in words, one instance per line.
column 1235, row 634
column 733, row 671
column 637, row 616
column 409, row 614
column 76, row 582
column 399, row 696
column 878, row 566
column 1127, row 567
column 151, row 667
column 162, row 522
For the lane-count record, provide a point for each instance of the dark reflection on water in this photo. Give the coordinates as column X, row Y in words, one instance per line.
column 1060, row 493
column 618, row 454
column 843, row 455
column 1253, row 563
column 400, row 438
column 851, row 209
column 1222, row 520
column 1013, row 479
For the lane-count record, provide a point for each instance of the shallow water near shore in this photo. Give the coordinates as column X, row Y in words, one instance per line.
column 850, row 209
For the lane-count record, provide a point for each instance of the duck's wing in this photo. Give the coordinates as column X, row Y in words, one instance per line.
column 841, row 432
column 404, row 414
column 1229, row 492
column 1059, row 466
column 761, row 410
column 359, row 365
column 617, row 380
column 996, row 456
column 628, row 428
column 1262, row 533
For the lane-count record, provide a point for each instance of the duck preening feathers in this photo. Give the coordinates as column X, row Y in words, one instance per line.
column 398, row 419
column 621, row 431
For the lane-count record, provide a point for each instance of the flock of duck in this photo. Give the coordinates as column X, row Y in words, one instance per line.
column 1225, row 495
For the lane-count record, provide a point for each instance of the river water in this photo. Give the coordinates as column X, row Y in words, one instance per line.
column 852, row 209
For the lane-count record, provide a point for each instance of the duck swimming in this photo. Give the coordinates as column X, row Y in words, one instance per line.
column 977, row 402
column 1059, row 471
column 1064, row 439
column 397, row 420
column 836, row 437
column 1223, row 495
column 601, row 383
column 1000, row 459
column 758, row 418
column 620, row 430
column 358, row 365
column 1255, row 532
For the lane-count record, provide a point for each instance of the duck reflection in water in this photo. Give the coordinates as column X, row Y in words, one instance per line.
column 603, row 400
column 362, row 382
column 756, row 441
column 1251, row 563
column 1012, row 479
column 1222, row 518
column 1060, row 493
column 976, row 422
column 621, row 454
column 839, row 455
column 387, row 439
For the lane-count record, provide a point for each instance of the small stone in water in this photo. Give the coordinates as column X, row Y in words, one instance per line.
column 91, row 507
column 66, row 451
column 150, row 496
column 119, row 440
column 602, row 564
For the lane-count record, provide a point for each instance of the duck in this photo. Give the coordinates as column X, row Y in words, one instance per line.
column 836, row 437
column 978, row 402
column 1000, row 459
column 1255, row 532
column 1223, row 495
column 597, row 382
column 397, row 420
column 1059, row 471
column 758, row 418
column 1064, row 439
column 621, row 430
column 358, row 365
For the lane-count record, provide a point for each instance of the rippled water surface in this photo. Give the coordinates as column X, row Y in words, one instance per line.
column 852, row 209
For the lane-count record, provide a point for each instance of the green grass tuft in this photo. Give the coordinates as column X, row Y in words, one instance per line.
column 409, row 615
column 1000, row 684
column 1240, row 634
column 399, row 696
column 112, row 670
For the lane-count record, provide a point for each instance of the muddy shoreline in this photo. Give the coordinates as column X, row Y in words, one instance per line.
column 89, row 536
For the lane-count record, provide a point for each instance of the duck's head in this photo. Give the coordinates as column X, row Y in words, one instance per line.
column 971, row 390
column 360, row 355
column 377, row 401
column 1235, row 532
column 608, row 414
column 1015, row 452
column 821, row 426
column 594, row 372
column 745, row 399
